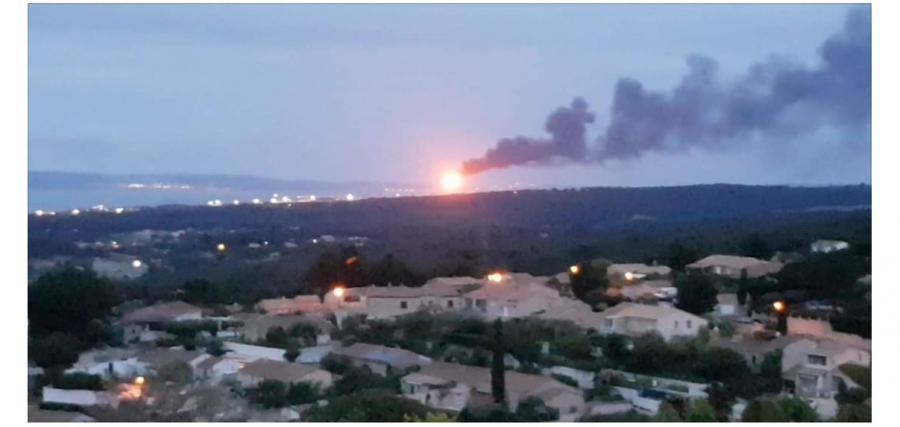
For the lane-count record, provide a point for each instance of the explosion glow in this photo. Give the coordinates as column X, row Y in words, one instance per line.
column 495, row 277
column 452, row 181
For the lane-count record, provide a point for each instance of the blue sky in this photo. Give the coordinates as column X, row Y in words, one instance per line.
column 398, row 92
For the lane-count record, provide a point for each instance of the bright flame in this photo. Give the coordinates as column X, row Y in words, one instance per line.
column 339, row 291
column 574, row 269
column 495, row 277
column 629, row 276
column 451, row 182
column 139, row 381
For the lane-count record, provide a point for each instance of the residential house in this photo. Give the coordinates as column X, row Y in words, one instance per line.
column 753, row 349
column 727, row 305
column 826, row 246
column 158, row 358
column 260, row 370
column 733, row 266
column 638, row 319
column 451, row 386
column 811, row 366
column 255, row 326
column 119, row 267
column 145, row 324
column 38, row 415
column 572, row 310
column 79, row 398
column 109, row 363
column 251, row 353
column 636, row 271
column 514, row 296
column 380, row 359
column 296, row 305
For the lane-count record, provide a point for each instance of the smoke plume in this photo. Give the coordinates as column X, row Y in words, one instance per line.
column 778, row 97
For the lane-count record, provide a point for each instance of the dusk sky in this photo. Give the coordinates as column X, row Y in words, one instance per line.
column 404, row 93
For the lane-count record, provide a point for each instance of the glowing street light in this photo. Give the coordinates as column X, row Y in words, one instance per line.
column 119, row 210
column 350, row 197
column 575, row 269
column 136, row 263
column 339, row 291
column 629, row 276
column 779, row 306
column 75, row 211
column 221, row 247
column 39, row 213
column 257, row 201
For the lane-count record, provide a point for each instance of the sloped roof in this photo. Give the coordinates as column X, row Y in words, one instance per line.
column 162, row 356
column 395, row 357
column 278, row 370
column 731, row 261
column 479, row 378
column 638, row 268
column 654, row 312
column 163, row 312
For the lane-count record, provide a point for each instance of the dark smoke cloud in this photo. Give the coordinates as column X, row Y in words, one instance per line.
column 775, row 98
column 568, row 129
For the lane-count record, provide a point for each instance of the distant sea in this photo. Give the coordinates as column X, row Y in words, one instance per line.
column 60, row 191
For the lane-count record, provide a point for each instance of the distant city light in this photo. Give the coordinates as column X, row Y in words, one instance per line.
column 75, row 211
column 119, row 210
column 315, row 241
column 256, row 201
column 273, row 200
column 136, row 263
column 350, row 197
column 266, row 243
column 495, row 277
column 236, row 202
column 114, row 244
column 39, row 212
column 312, row 198
column 221, row 247
column 574, row 269
column 285, row 199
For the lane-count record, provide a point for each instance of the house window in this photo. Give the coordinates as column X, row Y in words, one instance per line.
column 403, row 304
column 676, row 324
column 608, row 323
column 689, row 324
column 814, row 359
column 450, row 304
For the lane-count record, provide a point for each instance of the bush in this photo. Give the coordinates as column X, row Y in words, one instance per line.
column 270, row 394
column 336, row 364
column 54, row 350
column 78, row 381
column 861, row 375
column 300, row 393
column 368, row 406
column 177, row 372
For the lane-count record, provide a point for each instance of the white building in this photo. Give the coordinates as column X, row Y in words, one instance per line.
column 826, row 246
column 733, row 266
column 253, row 373
column 638, row 319
column 812, row 365
column 452, row 386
